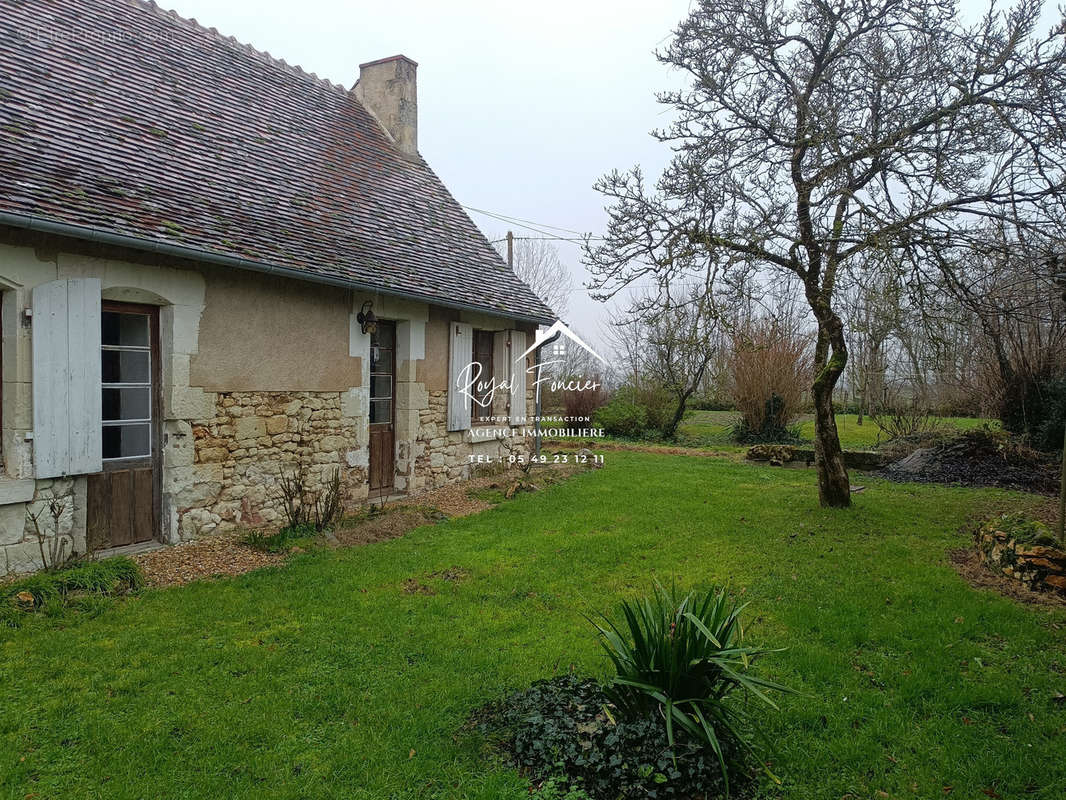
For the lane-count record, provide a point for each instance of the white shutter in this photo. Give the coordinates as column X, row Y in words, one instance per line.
column 66, row 378
column 518, row 378
column 501, row 370
column 460, row 354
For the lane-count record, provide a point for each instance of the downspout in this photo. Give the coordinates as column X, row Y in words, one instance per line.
column 536, row 365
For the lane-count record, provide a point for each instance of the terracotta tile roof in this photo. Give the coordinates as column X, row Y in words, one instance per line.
column 119, row 116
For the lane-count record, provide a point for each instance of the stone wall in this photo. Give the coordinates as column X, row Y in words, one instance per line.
column 255, row 437
column 443, row 456
column 1038, row 566
column 20, row 549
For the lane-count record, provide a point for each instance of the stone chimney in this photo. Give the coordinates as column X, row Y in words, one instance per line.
column 387, row 89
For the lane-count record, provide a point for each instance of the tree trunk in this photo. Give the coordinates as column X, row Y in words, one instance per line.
column 834, row 486
column 679, row 412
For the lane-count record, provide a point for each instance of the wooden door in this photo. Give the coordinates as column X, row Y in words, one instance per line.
column 124, row 500
column 382, row 408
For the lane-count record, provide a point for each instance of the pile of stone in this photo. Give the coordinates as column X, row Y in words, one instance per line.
column 1025, row 552
column 776, row 454
column 978, row 458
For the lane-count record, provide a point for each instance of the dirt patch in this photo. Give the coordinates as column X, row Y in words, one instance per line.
column 411, row 586
column 967, row 562
column 221, row 555
column 452, row 574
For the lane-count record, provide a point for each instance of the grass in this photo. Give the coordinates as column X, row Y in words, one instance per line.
column 712, row 429
column 324, row 678
column 82, row 584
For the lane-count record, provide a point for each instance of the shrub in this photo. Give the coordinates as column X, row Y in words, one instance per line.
column 658, row 404
column 769, row 376
column 905, row 421
column 622, row 416
column 679, row 658
column 563, row 732
column 583, row 404
column 711, row 403
column 769, row 434
column 636, row 411
column 52, row 590
column 1047, row 419
column 283, row 540
column 304, row 506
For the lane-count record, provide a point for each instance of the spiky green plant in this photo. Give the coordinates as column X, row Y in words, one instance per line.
column 682, row 656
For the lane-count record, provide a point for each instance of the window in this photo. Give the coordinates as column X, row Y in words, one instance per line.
column 126, row 372
column 382, row 363
column 481, row 407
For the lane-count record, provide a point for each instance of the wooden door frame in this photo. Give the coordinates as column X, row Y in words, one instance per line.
column 391, row 487
column 155, row 460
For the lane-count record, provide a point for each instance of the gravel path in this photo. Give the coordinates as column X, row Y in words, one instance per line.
column 227, row 555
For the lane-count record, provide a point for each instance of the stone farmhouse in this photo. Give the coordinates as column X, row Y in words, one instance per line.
column 215, row 267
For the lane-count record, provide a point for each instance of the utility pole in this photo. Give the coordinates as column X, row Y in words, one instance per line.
column 510, row 249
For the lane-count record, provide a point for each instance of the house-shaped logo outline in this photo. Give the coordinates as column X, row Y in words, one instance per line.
column 559, row 327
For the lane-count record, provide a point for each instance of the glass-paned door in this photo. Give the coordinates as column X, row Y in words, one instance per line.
column 382, row 400
column 124, row 500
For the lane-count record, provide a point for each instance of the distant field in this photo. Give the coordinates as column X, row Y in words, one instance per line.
column 711, row 428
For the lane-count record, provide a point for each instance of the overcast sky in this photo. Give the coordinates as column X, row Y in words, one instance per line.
column 521, row 107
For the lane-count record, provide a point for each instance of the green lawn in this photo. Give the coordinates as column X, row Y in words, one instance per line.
column 711, row 428
column 325, row 679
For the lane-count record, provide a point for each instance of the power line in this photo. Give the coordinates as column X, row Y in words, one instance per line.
column 545, row 235
column 517, row 220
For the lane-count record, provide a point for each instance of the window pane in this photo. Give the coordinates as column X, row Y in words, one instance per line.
column 380, row 411
column 384, row 336
column 130, row 330
column 127, row 441
column 127, row 403
column 125, row 366
column 380, row 359
column 381, row 386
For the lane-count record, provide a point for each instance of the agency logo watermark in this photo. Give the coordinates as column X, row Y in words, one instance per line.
column 481, row 389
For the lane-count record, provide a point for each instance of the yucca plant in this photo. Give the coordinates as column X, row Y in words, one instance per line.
column 682, row 657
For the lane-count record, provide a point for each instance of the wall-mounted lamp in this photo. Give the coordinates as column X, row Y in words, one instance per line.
column 368, row 323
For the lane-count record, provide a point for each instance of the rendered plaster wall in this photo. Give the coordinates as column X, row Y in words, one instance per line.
column 260, row 333
column 259, row 375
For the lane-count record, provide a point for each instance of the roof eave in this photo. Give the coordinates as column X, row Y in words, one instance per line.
column 101, row 236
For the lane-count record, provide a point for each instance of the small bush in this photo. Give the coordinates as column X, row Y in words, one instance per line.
column 710, row 403
column 906, row 421
column 769, row 434
column 559, row 788
column 54, row 590
column 583, row 404
column 636, row 412
column 622, row 416
column 770, row 371
column 679, row 658
column 282, row 541
column 563, row 732
column 1046, row 429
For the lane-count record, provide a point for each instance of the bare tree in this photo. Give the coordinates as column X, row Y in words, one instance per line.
column 672, row 349
column 537, row 262
column 1011, row 295
column 817, row 131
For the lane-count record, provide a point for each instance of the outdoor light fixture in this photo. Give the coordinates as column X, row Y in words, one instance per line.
column 367, row 321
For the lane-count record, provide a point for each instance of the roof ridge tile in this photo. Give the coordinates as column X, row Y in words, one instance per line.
column 193, row 24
